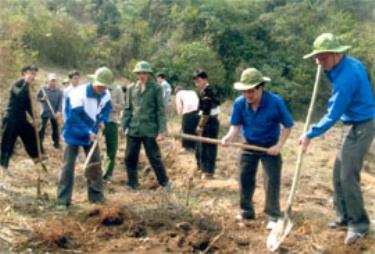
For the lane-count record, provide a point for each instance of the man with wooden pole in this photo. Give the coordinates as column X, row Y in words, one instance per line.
column 259, row 114
column 87, row 111
column 353, row 103
column 15, row 123
column 50, row 98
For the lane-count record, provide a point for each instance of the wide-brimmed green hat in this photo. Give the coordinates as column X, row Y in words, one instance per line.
column 326, row 43
column 143, row 66
column 250, row 78
column 102, row 77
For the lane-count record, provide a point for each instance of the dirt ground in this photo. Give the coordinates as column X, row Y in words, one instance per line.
column 154, row 221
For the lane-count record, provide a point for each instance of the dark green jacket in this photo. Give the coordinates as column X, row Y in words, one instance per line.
column 144, row 114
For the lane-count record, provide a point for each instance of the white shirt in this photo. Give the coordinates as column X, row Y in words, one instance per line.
column 186, row 101
column 66, row 93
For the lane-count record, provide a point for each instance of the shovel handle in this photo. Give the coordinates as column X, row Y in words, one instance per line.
column 37, row 137
column 91, row 152
column 300, row 150
column 49, row 103
column 218, row 142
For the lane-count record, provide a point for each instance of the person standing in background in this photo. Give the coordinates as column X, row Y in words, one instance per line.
column 167, row 90
column 187, row 106
column 50, row 98
column 111, row 131
column 208, row 125
column 74, row 77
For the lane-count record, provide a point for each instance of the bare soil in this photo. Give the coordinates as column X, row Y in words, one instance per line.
column 152, row 220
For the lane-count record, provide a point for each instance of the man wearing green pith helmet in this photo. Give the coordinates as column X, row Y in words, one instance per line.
column 353, row 103
column 144, row 120
column 258, row 115
column 87, row 110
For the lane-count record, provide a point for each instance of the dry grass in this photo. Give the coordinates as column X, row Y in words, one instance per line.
column 152, row 221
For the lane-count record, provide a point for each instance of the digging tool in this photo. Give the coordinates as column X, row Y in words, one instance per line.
column 218, row 142
column 284, row 226
column 51, row 108
column 91, row 152
column 32, row 105
column 49, row 103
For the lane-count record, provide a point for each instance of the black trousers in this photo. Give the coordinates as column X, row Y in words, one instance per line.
column 206, row 154
column 272, row 176
column 189, row 125
column 55, row 130
column 11, row 130
column 153, row 154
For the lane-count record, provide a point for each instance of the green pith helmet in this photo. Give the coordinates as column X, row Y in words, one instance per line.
column 102, row 77
column 250, row 78
column 325, row 43
column 143, row 66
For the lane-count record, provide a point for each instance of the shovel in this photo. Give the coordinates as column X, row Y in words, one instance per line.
column 284, row 225
column 86, row 165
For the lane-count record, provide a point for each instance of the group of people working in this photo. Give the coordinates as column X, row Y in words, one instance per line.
column 259, row 115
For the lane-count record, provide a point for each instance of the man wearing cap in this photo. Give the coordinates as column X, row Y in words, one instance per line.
column 88, row 108
column 208, row 125
column 50, row 98
column 258, row 114
column 111, row 131
column 353, row 103
column 144, row 119
column 15, row 123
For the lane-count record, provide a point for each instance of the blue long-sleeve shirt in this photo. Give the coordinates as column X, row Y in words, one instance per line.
column 352, row 97
column 84, row 112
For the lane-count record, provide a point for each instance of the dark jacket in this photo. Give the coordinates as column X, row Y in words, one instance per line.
column 144, row 114
column 208, row 99
column 19, row 102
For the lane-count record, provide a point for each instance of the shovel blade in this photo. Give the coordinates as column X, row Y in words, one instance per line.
column 279, row 233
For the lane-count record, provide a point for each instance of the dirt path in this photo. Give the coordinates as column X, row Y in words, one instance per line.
column 153, row 221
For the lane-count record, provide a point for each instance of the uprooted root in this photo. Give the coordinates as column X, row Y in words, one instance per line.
column 56, row 233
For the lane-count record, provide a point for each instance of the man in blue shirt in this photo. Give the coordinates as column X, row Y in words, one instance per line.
column 353, row 103
column 87, row 112
column 258, row 114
